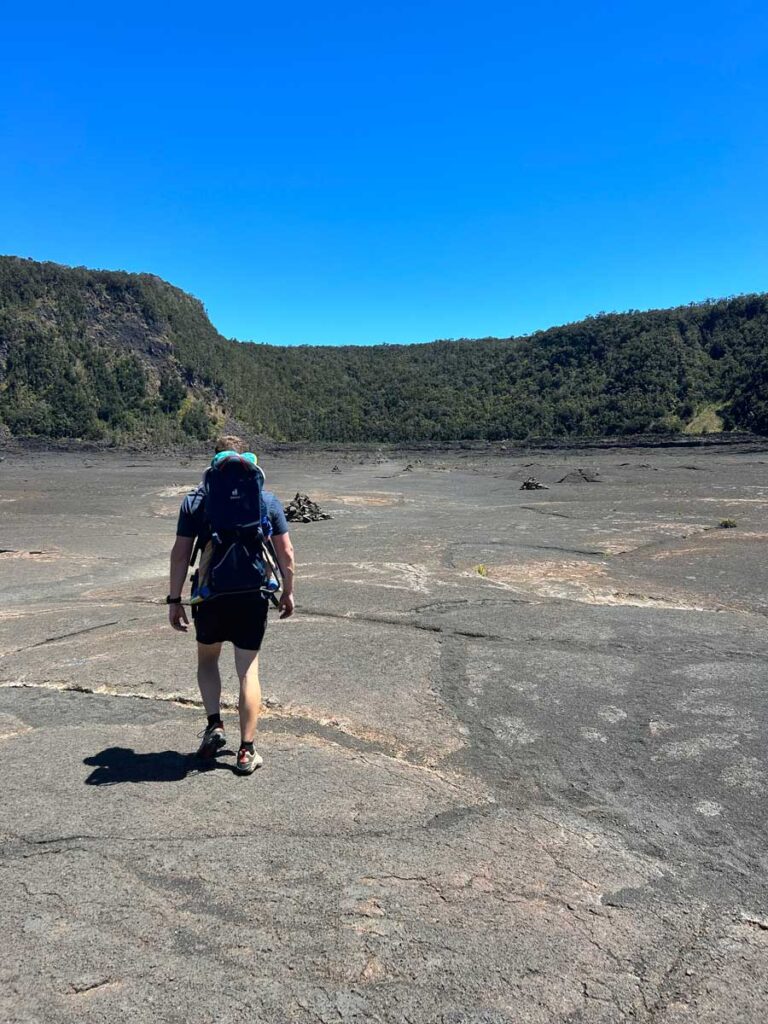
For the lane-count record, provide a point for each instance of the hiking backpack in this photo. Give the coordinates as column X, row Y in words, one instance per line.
column 236, row 556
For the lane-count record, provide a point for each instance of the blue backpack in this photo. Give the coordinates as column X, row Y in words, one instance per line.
column 236, row 556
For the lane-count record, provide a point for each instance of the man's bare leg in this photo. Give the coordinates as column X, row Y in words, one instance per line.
column 208, row 678
column 247, row 665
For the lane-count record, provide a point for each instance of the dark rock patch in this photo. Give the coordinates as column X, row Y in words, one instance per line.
column 581, row 476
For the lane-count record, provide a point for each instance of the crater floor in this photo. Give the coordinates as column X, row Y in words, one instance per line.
column 514, row 747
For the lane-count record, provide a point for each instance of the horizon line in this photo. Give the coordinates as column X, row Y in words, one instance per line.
column 600, row 314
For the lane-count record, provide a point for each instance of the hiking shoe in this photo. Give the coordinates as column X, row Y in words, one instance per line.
column 247, row 761
column 213, row 740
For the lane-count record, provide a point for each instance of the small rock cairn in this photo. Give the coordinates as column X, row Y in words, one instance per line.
column 303, row 510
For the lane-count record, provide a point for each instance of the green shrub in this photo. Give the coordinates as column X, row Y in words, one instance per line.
column 196, row 421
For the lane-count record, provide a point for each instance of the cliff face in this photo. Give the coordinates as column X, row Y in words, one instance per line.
column 101, row 307
column 101, row 354
column 93, row 354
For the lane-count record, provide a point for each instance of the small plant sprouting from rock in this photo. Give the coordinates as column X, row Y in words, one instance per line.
column 481, row 570
column 727, row 524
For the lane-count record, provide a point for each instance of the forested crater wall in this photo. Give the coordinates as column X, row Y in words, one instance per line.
column 120, row 357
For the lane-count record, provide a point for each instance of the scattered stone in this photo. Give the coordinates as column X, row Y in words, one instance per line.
column 532, row 484
column 580, row 476
column 303, row 510
column 374, row 970
column 408, row 468
column 336, row 469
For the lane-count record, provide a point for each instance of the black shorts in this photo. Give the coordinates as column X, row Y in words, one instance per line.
column 239, row 618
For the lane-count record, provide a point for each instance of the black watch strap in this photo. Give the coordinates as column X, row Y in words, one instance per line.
column 172, row 600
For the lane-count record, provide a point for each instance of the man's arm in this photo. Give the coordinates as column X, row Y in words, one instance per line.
column 181, row 552
column 284, row 554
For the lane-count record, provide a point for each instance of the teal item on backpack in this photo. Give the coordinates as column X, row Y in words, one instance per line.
column 219, row 457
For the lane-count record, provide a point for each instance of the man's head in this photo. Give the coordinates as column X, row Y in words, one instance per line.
column 228, row 442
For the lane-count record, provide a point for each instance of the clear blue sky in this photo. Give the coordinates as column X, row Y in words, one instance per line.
column 343, row 172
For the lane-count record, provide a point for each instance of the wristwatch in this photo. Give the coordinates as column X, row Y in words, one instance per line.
column 172, row 600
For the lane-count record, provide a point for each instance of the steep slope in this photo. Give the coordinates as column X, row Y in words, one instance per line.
column 94, row 354
column 99, row 354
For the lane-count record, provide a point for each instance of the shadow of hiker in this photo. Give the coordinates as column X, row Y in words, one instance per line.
column 121, row 764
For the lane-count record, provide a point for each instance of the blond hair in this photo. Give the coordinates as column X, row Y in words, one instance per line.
column 228, row 442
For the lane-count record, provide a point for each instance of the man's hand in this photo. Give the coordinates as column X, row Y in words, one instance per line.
column 287, row 605
column 281, row 542
column 177, row 617
column 180, row 555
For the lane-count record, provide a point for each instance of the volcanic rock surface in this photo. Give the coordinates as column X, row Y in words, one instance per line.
column 534, row 793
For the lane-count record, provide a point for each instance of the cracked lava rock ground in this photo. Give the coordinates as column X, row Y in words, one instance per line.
column 514, row 748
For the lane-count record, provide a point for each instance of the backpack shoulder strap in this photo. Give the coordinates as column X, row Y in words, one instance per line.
column 205, row 534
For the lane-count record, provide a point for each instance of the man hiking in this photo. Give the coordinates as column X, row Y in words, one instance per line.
column 239, row 618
